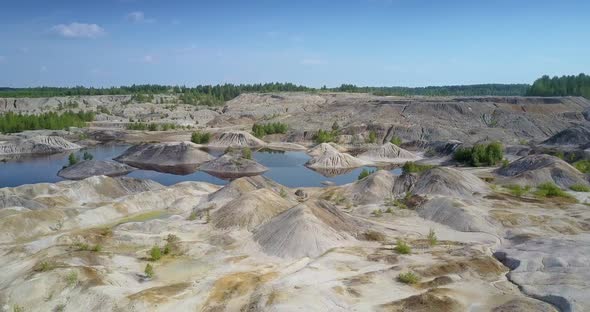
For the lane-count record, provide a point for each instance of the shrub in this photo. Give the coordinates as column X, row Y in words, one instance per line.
column 480, row 155
column 12, row 123
column 87, row 156
column 408, row 278
column 402, row 247
column 375, row 236
column 377, row 213
column 323, row 136
column 149, row 271
column 261, row 130
column 583, row 166
column 153, row 127
column 200, row 137
column 396, row 140
column 247, row 153
column 44, row 266
column 412, row 167
column 72, row 159
column 156, row 253
column 432, row 239
column 335, row 126
column 283, row 193
column 97, row 248
column 549, row 189
column 372, row 137
column 365, row 173
column 72, row 278
column 17, row 308
column 580, row 188
column 517, row 190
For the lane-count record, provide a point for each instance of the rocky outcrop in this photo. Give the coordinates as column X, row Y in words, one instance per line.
column 236, row 139
column 307, row 230
column 231, row 166
column 537, row 169
column 38, row 145
column 175, row 157
column 89, row 168
column 388, row 153
column 449, row 182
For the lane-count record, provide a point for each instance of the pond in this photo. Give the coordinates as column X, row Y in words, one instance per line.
column 286, row 168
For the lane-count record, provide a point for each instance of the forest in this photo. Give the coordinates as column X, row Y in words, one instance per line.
column 561, row 86
column 12, row 123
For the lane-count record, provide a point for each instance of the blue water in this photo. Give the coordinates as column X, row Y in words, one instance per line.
column 286, row 168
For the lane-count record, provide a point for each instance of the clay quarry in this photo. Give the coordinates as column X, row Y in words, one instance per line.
column 422, row 228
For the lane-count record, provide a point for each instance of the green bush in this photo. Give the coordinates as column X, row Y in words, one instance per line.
column 480, row 154
column 408, row 278
column 402, row 248
column 149, row 271
column 12, row 123
column 261, row 130
column 432, row 239
column 72, row 159
column 583, row 166
column 396, row 140
column 372, row 137
column 156, row 253
column 549, row 189
column 152, row 127
column 580, row 188
column 517, row 190
column 247, row 153
column 87, row 156
column 412, row 167
column 365, row 173
column 72, row 278
column 200, row 137
column 324, row 136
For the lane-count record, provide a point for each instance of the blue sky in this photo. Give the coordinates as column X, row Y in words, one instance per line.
column 365, row 42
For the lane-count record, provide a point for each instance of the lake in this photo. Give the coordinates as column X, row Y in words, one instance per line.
column 286, row 168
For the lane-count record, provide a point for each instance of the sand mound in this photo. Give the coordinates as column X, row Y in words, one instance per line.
column 455, row 215
column 449, row 182
column 250, row 210
column 332, row 159
column 372, row 189
column 38, row 145
column 536, row 169
column 176, row 157
column 236, row 139
column 231, row 166
column 307, row 230
column 237, row 188
column 388, row 152
column 578, row 135
column 321, row 149
column 89, row 168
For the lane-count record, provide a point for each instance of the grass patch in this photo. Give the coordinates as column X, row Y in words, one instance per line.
column 365, row 173
column 402, row 248
column 142, row 217
column 549, row 189
column 200, row 137
column 432, row 239
column 580, row 188
column 156, row 253
column 480, row 154
column 582, row 165
column 409, row 278
column 412, row 167
column 149, row 271
column 72, row 279
column 517, row 190
column 44, row 266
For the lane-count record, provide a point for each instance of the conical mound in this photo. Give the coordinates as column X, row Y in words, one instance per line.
column 577, row 135
column 389, row 153
column 449, row 182
column 175, row 157
column 237, row 188
column 231, row 166
column 331, row 158
column 38, row 145
column 307, row 230
column 236, row 139
column 250, row 210
column 321, row 149
column 537, row 169
column 372, row 189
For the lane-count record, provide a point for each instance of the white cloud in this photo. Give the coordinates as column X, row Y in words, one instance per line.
column 43, row 69
column 139, row 17
column 148, row 59
column 312, row 62
column 2, row 59
column 78, row 30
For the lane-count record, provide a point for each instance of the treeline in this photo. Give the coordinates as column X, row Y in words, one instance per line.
column 12, row 123
column 460, row 90
column 561, row 86
column 213, row 95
